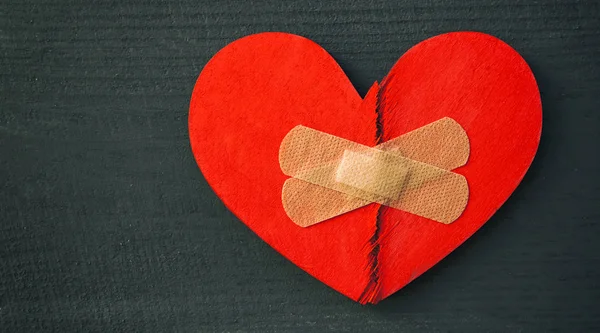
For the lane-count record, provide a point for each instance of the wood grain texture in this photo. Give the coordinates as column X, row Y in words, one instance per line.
column 107, row 224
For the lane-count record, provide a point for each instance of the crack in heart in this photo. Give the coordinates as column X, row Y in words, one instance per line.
column 371, row 291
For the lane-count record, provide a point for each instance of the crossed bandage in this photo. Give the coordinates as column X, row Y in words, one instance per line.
column 332, row 176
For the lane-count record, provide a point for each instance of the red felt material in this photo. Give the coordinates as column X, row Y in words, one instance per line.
column 253, row 91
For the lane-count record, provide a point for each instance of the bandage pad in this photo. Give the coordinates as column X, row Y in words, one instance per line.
column 332, row 176
column 374, row 172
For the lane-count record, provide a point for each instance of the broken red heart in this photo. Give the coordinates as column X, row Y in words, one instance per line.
column 256, row 89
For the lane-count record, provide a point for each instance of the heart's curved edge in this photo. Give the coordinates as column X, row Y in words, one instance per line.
column 195, row 148
column 249, row 38
column 217, row 55
column 415, row 47
column 383, row 294
column 245, row 39
column 532, row 77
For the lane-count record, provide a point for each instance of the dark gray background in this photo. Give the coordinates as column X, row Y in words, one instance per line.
column 108, row 225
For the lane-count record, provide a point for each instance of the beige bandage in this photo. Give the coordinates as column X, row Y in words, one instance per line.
column 332, row 176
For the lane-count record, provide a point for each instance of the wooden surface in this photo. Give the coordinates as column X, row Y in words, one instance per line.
column 108, row 225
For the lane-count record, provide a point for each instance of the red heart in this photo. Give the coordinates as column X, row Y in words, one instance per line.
column 256, row 89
